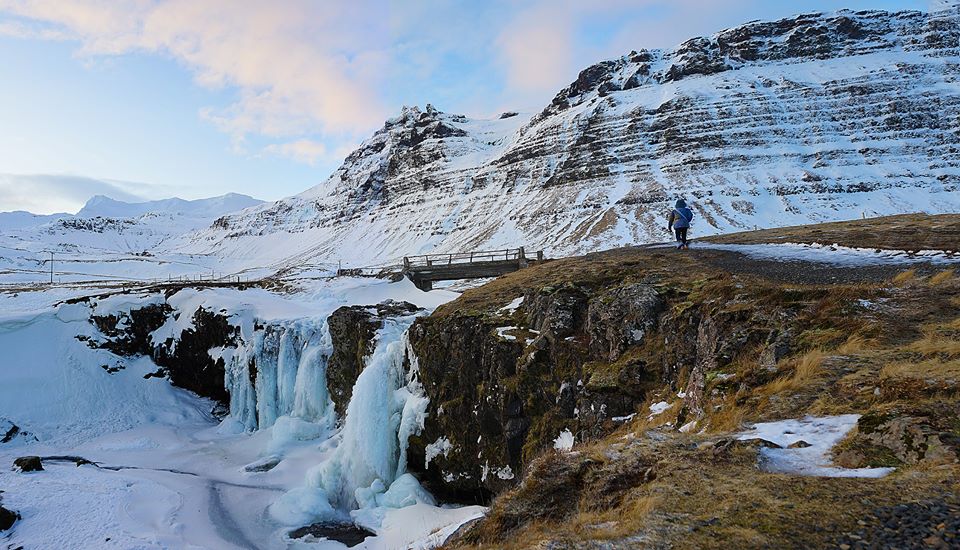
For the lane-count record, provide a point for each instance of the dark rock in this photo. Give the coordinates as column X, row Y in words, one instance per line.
column 778, row 346
column 348, row 534
column 798, row 445
column 909, row 433
column 10, row 432
column 28, row 464
column 621, row 318
column 128, row 333
column 7, row 518
column 556, row 313
column 263, row 465
column 725, row 446
column 188, row 364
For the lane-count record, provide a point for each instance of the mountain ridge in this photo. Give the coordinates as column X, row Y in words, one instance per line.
column 813, row 118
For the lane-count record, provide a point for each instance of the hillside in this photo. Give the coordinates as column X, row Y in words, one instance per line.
column 706, row 407
column 814, row 118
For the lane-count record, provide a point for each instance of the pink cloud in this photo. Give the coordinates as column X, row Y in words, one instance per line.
column 286, row 57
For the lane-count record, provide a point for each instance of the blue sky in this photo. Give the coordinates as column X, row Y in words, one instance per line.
column 199, row 98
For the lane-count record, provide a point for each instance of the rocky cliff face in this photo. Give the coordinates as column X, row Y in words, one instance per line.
column 304, row 367
column 812, row 118
column 581, row 353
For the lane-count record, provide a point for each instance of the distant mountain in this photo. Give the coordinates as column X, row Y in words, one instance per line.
column 109, row 238
column 105, row 207
column 20, row 219
column 812, row 118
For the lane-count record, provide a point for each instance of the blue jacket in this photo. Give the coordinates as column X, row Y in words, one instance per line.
column 681, row 217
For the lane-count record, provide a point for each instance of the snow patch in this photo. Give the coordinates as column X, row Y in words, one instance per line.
column 441, row 446
column 564, row 441
column 821, row 433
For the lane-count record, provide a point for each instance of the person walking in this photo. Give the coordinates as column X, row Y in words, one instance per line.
column 679, row 222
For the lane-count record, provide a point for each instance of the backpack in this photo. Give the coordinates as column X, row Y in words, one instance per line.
column 683, row 218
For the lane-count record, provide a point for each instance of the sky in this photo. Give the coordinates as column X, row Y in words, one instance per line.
column 148, row 99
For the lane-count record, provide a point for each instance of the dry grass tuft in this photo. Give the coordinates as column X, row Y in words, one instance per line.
column 856, row 343
column 936, row 343
column 905, row 276
column 730, row 417
column 941, row 277
column 808, row 366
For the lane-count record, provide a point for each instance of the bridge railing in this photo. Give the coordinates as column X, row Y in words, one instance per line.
column 466, row 258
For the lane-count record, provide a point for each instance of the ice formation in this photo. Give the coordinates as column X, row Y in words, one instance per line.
column 367, row 470
column 281, row 372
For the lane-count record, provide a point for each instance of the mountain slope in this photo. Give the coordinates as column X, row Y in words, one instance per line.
column 109, row 239
column 105, row 207
column 813, row 118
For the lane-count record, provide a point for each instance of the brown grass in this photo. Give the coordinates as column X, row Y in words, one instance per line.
column 730, row 417
column 930, row 371
column 941, row 277
column 901, row 232
column 935, row 343
column 905, row 276
column 856, row 343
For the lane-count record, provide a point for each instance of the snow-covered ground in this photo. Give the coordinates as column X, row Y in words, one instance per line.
column 812, row 439
column 169, row 474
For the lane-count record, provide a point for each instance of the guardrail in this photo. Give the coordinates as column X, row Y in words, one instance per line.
column 466, row 258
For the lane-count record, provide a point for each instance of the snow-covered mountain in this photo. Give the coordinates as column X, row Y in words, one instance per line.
column 105, row 207
column 109, row 239
column 20, row 219
column 817, row 117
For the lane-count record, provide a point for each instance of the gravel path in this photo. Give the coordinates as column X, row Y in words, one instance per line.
column 931, row 524
column 800, row 272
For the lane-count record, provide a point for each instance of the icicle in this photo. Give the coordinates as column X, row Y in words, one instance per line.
column 290, row 362
column 387, row 407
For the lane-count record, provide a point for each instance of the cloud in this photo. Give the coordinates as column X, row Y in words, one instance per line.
column 294, row 62
column 536, row 48
column 331, row 72
column 48, row 193
column 301, row 150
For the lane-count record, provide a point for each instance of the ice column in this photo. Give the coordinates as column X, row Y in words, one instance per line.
column 282, row 371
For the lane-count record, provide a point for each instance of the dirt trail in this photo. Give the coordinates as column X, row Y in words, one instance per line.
column 804, row 272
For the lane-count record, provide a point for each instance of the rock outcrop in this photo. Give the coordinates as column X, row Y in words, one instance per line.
column 28, row 464
column 582, row 357
column 11, row 433
column 186, row 361
column 7, row 518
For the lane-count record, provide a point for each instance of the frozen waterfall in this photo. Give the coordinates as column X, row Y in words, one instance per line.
column 367, row 470
column 281, row 372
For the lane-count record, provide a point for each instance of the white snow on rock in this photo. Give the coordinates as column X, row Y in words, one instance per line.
column 564, row 441
column 821, row 433
column 658, row 409
column 441, row 446
column 512, row 306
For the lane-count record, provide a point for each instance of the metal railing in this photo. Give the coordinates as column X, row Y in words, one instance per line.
column 466, row 258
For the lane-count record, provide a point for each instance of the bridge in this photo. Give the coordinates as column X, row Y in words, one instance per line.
column 427, row 269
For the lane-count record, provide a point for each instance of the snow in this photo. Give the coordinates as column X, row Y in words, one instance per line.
column 177, row 477
column 440, row 447
column 564, row 441
column 510, row 308
column 821, row 433
column 836, row 254
column 658, row 408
